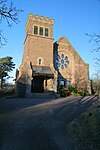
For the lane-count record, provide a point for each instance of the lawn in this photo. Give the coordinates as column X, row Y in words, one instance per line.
column 85, row 130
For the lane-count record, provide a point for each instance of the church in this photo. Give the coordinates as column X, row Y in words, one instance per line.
column 48, row 65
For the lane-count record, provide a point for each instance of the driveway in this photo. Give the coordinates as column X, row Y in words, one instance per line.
column 39, row 124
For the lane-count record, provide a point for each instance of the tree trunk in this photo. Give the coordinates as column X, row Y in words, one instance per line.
column 1, row 86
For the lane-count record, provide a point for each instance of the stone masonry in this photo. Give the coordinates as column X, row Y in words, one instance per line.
column 47, row 65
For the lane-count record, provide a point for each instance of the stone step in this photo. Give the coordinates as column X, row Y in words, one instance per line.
column 45, row 95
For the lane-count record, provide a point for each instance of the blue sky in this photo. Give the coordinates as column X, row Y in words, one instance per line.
column 72, row 18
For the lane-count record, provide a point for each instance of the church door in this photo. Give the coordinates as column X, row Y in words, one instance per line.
column 38, row 86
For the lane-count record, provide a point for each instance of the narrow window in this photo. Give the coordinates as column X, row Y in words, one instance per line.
column 46, row 83
column 39, row 61
column 46, row 32
column 35, row 30
column 41, row 31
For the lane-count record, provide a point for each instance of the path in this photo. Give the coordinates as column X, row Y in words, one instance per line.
column 40, row 124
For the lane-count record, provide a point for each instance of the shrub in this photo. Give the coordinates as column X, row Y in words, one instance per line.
column 63, row 92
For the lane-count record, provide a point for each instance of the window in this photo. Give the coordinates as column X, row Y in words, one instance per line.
column 35, row 30
column 62, row 55
column 39, row 61
column 45, row 82
column 41, row 31
column 61, row 83
column 46, row 32
column 68, row 83
column 62, row 61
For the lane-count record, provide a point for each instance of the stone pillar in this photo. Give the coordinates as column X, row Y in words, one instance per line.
column 29, row 81
column 55, row 78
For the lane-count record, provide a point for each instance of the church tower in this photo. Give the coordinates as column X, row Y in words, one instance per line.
column 36, row 73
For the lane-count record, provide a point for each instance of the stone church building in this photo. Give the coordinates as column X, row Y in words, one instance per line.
column 47, row 65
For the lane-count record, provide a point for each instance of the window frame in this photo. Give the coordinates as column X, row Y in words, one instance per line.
column 40, row 61
column 41, row 31
column 46, row 32
column 36, row 30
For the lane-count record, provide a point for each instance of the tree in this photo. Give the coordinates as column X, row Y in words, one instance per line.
column 95, row 39
column 8, row 13
column 6, row 66
column 96, row 84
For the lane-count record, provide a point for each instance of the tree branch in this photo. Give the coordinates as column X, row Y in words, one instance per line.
column 3, row 40
column 10, row 14
column 95, row 38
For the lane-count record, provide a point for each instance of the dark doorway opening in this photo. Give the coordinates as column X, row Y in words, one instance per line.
column 38, row 85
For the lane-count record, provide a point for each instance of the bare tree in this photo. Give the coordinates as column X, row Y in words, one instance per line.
column 8, row 13
column 96, row 83
column 95, row 38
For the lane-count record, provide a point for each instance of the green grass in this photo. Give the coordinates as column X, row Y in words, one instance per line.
column 85, row 130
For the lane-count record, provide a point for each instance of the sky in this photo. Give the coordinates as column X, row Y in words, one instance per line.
column 72, row 19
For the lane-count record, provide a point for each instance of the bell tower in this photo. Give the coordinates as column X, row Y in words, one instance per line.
column 36, row 72
column 38, row 44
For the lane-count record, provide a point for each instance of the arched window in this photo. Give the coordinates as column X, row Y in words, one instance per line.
column 39, row 61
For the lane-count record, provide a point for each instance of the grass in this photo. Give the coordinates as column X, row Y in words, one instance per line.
column 85, row 130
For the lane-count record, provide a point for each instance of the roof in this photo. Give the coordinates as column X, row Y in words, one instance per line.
column 44, row 71
column 62, row 40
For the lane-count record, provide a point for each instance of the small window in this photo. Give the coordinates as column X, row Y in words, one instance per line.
column 68, row 83
column 46, row 83
column 62, row 67
column 58, row 57
column 39, row 61
column 61, row 83
column 41, row 31
column 62, row 61
column 35, row 30
column 62, row 55
column 46, row 32
column 58, row 65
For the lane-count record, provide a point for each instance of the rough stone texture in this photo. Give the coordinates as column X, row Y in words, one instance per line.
column 41, row 48
column 77, row 70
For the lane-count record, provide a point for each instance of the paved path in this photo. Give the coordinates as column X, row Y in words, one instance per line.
column 39, row 124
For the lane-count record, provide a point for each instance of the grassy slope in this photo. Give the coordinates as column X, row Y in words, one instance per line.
column 85, row 130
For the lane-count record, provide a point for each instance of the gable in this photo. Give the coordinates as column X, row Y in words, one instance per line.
column 62, row 40
column 63, row 44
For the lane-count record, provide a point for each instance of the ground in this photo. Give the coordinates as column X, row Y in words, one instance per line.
column 40, row 124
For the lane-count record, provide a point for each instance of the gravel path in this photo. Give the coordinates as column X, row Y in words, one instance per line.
column 39, row 124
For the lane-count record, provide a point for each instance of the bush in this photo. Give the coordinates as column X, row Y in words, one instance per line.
column 63, row 92
column 72, row 91
column 6, row 93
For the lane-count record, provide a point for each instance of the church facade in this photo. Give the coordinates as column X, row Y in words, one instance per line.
column 46, row 66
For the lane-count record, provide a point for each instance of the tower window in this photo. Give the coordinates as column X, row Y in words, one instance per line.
column 39, row 61
column 41, row 31
column 35, row 30
column 46, row 32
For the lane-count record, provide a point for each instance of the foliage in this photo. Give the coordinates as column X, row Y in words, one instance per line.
column 63, row 91
column 8, row 13
column 76, row 92
column 72, row 91
column 6, row 66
